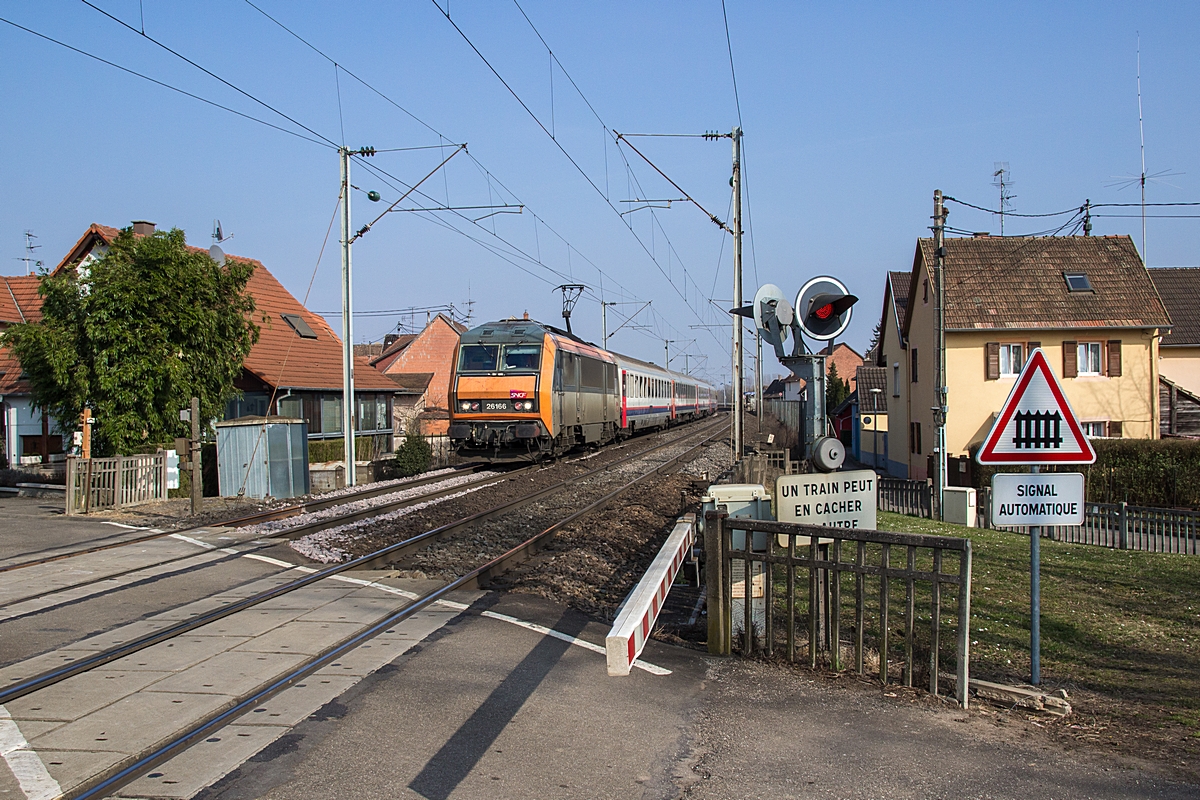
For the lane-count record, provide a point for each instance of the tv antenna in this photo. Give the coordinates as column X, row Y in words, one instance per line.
column 571, row 293
column 1002, row 180
column 1125, row 181
column 31, row 262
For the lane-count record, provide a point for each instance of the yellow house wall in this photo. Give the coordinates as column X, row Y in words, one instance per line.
column 1181, row 365
column 921, row 395
column 871, row 435
column 1131, row 398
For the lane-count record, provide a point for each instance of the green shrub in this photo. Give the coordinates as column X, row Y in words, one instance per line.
column 1141, row 472
column 335, row 450
column 412, row 458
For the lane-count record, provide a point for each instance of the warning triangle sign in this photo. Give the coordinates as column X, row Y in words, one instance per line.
column 1036, row 424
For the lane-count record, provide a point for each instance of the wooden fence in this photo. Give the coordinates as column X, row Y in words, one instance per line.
column 99, row 483
column 754, row 572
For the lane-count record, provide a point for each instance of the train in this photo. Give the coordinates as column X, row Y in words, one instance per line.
column 522, row 390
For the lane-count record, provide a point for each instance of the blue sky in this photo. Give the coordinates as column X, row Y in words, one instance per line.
column 853, row 115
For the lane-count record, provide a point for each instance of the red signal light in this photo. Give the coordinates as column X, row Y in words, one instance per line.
column 825, row 311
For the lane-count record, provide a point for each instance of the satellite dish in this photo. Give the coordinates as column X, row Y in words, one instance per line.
column 217, row 254
column 771, row 296
column 823, row 307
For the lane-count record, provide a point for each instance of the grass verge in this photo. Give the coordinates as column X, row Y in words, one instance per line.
column 1120, row 632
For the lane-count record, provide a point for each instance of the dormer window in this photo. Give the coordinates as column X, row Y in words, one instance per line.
column 1078, row 282
column 302, row 328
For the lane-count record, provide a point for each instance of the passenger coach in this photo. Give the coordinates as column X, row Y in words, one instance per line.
column 522, row 390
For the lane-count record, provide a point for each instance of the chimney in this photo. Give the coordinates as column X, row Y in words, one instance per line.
column 389, row 340
column 525, row 315
column 143, row 228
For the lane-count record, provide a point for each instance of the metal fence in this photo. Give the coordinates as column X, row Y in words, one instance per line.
column 790, row 414
column 1121, row 526
column 900, row 496
column 754, row 569
column 99, row 483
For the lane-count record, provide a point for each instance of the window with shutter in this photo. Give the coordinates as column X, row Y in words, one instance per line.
column 1031, row 346
column 914, row 365
column 992, row 361
column 1115, row 429
column 1114, row 358
column 1070, row 359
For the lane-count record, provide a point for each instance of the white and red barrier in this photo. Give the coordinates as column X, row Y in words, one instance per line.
column 632, row 627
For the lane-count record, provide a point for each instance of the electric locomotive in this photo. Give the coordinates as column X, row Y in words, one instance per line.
column 522, row 391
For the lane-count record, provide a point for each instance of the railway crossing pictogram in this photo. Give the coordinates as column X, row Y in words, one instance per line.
column 1036, row 424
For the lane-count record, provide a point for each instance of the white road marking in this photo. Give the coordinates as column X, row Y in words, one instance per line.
column 27, row 767
column 126, row 527
column 653, row 669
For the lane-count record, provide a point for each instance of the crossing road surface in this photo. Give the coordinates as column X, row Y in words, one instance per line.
column 484, row 708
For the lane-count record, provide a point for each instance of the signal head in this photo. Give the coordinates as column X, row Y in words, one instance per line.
column 823, row 308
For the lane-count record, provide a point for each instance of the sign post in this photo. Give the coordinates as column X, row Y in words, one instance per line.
column 1036, row 426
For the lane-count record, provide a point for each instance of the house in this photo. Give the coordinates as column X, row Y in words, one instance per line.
column 1179, row 350
column 847, row 361
column 870, row 428
column 25, row 432
column 421, row 363
column 1087, row 301
column 295, row 367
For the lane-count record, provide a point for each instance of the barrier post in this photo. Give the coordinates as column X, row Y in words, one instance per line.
column 714, row 572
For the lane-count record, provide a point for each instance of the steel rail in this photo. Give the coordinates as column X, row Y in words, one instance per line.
column 398, row 549
column 259, row 516
column 103, row 786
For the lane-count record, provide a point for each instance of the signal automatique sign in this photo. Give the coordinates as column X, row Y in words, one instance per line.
column 1036, row 424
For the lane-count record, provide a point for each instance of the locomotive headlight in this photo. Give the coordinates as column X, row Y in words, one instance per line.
column 465, row 405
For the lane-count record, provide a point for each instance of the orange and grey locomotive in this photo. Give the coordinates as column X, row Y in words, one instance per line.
column 522, row 391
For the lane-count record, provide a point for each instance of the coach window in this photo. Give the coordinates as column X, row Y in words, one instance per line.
column 522, row 357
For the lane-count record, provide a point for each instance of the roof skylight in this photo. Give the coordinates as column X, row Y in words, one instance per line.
column 1078, row 282
column 302, row 328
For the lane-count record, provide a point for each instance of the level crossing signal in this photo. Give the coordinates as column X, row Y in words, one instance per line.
column 1036, row 424
column 823, row 307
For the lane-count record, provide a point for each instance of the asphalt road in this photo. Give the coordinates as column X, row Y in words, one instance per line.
column 29, row 525
column 487, row 709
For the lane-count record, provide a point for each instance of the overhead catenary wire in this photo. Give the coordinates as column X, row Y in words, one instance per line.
column 486, row 173
column 558, row 144
column 163, row 84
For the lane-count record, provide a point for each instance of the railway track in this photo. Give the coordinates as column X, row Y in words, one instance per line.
column 128, row 769
column 268, row 515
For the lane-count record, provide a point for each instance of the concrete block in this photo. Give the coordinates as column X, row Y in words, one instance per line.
column 80, row 695
column 235, row 672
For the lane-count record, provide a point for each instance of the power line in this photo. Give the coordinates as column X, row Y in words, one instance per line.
column 1010, row 213
column 484, row 171
column 208, row 72
column 164, row 85
column 559, row 145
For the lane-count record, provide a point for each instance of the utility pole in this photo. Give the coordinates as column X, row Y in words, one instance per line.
column 758, row 388
column 347, row 325
column 667, row 353
column 197, row 474
column 939, row 409
column 604, row 324
column 739, row 398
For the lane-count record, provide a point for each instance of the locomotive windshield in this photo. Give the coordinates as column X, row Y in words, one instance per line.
column 522, row 357
column 478, row 358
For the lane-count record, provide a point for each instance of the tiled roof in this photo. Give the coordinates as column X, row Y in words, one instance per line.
column 413, row 381
column 872, row 378
column 1179, row 288
column 280, row 358
column 10, row 374
column 900, row 288
column 283, row 359
column 19, row 299
column 1016, row 282
column 402, row 341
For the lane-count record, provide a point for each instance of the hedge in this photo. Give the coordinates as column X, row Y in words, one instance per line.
column 1142, row 472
